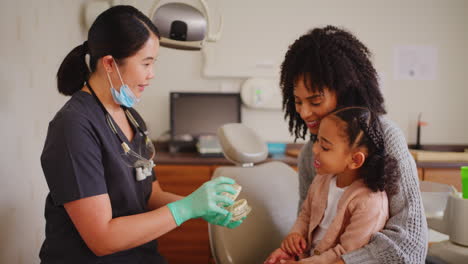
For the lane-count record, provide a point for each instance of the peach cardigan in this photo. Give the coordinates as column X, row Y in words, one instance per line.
column 360, row 214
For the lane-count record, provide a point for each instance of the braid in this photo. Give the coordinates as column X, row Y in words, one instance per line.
column 379, row 169
column 371, row 128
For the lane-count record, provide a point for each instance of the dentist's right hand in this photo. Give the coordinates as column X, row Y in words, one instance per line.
column 203, row 201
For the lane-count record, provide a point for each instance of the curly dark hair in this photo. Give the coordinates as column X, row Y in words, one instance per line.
column 362, row 128
column 330, row 58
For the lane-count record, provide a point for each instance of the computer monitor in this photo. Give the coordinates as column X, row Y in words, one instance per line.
column 198, row 114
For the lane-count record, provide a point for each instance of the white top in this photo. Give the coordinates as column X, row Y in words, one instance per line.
column 334, row 195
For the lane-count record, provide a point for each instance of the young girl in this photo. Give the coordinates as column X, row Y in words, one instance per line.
column 347, row 201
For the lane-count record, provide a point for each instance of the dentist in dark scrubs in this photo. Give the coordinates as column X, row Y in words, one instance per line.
column 105, row 204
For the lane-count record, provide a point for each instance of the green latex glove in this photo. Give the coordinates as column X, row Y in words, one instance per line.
column 222, row 220
column 203, row 201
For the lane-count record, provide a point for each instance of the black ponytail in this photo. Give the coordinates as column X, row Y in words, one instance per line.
column 120, row 31
column 73, row 71
column 379, row 172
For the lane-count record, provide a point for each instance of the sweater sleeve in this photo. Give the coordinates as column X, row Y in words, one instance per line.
column 404, row 237
column 306, row 172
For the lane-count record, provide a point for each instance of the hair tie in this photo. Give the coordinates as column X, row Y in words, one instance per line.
column 87, row 55
column 85, row 46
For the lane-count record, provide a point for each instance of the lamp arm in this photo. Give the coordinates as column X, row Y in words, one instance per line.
column 155, row 7
column 215, row 36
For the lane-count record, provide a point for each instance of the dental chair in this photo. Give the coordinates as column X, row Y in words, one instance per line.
column 271, row 190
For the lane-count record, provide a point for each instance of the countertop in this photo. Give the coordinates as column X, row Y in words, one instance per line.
column 440, row 165
column 440, row 156
column 163, row 156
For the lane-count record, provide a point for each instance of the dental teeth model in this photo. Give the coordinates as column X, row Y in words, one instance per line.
column 237, row 188
column 239, row 209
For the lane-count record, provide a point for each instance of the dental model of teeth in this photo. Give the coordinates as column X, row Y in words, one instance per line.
column 240, row 208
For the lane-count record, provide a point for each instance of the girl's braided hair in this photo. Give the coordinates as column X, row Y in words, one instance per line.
column 363, row 129
column 330, row 58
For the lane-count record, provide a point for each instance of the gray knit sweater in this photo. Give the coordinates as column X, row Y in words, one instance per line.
column 404, row 238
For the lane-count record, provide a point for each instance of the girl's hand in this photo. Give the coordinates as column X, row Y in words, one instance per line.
column 294, row 244
column 277, row 256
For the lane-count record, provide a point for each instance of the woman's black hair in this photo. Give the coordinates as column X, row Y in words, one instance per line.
column 119, row 31
column 330, row 58
column 363, row 129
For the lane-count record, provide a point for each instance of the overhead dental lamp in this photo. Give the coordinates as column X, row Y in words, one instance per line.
column 182, row 26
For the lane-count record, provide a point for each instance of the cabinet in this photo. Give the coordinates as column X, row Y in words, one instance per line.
column 443, row 175
column 188, row 243
column 420, row 174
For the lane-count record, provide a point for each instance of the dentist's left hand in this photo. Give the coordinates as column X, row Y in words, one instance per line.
column 203, row 201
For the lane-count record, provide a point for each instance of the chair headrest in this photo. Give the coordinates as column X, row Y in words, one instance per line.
column 241, row 144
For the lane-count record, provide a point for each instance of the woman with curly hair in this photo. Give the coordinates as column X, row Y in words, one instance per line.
column 329, row 68
column 347, row 200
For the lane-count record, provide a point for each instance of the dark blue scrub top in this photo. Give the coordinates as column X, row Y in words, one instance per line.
column 82, row 158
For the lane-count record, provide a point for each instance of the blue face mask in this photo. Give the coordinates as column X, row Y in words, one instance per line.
column 125, row 97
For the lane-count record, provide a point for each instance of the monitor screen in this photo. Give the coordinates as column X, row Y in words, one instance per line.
column 195, row 114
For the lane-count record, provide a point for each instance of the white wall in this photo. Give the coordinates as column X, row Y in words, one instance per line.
column 36, row 35
column 258, row 33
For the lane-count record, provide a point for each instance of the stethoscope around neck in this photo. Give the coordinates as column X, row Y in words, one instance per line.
column 142, row 165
